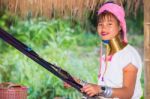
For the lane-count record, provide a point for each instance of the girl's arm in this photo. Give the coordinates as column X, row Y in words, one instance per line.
column 127, row 90
column 129, row 80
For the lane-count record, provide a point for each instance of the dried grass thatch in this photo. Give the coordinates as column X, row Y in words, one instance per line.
column 59, row 8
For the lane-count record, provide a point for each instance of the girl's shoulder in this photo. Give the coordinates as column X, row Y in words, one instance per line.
column 129, row 50
column 129, row 55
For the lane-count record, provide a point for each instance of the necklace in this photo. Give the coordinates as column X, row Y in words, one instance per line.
column 112, row 46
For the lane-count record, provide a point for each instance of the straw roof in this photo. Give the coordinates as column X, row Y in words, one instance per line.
column 60, row 8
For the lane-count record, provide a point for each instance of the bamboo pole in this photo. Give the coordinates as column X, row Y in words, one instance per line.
column 147, row 48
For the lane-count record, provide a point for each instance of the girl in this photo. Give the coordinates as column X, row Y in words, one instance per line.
column 120, row 69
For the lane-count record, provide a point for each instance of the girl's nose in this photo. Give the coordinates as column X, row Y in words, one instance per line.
column 104, row 28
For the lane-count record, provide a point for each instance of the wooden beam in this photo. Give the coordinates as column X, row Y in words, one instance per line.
column 147, row 49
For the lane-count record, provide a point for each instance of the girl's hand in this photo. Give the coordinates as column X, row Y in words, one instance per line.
column 91, row 89
column 66, row 85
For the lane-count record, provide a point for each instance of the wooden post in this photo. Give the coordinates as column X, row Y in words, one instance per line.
column 147, row 49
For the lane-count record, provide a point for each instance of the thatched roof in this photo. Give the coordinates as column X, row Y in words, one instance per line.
column 60, row 8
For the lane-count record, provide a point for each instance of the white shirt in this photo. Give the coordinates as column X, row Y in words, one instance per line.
column 114, row 73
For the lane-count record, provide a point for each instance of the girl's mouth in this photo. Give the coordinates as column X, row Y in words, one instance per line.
column 104, row 34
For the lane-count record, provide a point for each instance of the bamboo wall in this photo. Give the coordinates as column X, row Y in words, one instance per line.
column 147, row 48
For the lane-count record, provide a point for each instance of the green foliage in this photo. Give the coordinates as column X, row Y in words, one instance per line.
column 57, row 41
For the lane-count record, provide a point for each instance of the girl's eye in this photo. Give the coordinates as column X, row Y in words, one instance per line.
column 99, row 24
column 109, row 23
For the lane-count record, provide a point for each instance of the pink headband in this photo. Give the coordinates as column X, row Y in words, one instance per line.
column 118, row 11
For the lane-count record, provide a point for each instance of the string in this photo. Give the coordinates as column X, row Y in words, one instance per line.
column 101, row 46
column 107, row 58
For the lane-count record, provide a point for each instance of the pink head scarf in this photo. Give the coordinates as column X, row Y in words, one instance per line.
column 119, row 12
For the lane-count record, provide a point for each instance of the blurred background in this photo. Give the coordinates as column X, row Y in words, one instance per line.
column 62, row 32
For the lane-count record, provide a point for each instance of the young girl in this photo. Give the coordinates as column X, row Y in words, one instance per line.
column 120, row 69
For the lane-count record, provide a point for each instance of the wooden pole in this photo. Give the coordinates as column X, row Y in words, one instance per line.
column 147, row 49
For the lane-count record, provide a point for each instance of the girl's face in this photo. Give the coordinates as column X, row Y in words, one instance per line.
column 108, row 27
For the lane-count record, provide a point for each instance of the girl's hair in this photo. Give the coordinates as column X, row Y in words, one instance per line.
column 105, row 15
